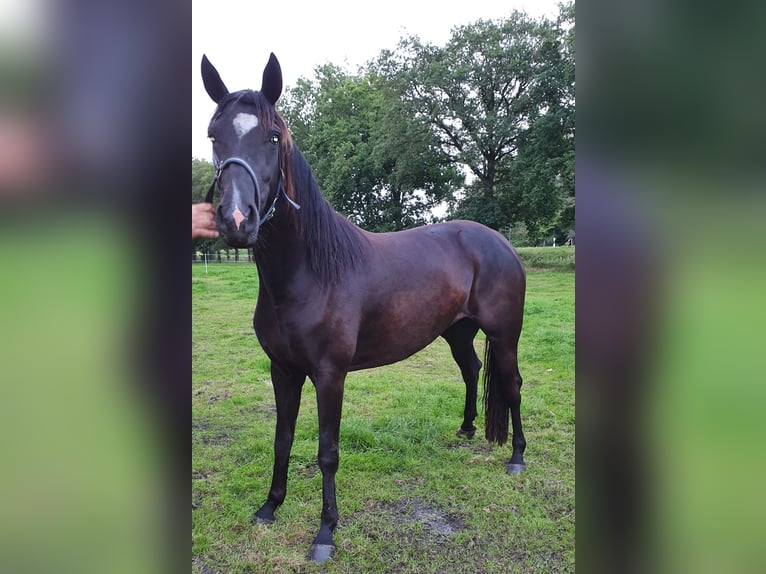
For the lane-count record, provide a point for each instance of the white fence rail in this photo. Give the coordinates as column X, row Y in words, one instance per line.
column 223, row 256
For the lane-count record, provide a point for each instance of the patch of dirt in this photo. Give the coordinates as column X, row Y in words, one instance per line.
column 200, row 568
column 306, row 471
column 218, row 396
column 423, row 529
column 258, row 410
column 434, row 521
column 220, row 439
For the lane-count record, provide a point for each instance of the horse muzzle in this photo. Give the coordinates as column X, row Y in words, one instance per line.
column 238, row 229
column 237, row 215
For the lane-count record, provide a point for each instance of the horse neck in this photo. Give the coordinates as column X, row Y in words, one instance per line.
column 280, row 254
column 311, row 247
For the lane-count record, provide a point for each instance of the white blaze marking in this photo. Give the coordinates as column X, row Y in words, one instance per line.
column 244, row 123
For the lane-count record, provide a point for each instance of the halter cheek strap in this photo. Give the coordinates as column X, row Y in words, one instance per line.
column 280, row 188
column 280, row 193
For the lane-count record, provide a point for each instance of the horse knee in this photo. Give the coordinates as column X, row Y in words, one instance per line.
column 328, row 459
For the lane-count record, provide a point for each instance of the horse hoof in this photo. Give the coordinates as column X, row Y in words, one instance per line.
column 265, row 520
column 321, row 552
column 515, row 468
column 466, row 433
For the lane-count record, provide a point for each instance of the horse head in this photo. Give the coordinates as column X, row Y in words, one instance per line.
column 249, row 143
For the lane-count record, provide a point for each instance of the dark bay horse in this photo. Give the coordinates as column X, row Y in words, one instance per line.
column 334, row 298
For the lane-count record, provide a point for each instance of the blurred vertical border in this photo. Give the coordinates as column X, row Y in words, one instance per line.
column 671, row 176
column 94, row 303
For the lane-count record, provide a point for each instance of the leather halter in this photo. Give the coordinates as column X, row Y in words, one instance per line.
column 219, row 167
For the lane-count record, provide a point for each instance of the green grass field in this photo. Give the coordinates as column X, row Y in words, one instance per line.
column 412, row 496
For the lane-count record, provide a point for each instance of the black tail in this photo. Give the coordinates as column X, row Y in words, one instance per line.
column 496, row 408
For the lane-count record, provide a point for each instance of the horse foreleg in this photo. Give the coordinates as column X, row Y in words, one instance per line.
column 329, row 390
column 287, row 393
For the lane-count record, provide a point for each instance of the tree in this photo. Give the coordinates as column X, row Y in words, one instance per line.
column 418, row 175
column 372, row 162
column 497, row 99
column 541, row 175
column 202, row 177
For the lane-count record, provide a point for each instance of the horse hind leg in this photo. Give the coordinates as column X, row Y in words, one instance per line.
column 502, row 393
column 460, row 337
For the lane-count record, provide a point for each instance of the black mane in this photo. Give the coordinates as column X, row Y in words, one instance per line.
column 334, row 245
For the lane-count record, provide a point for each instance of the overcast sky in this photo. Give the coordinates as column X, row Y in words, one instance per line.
column 238, row 35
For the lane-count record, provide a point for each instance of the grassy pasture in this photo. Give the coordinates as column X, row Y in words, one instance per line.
column 548, row 258
column 412, row 496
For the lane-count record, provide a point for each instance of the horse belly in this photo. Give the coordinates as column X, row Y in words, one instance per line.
column 367, row 358
column 406, row 324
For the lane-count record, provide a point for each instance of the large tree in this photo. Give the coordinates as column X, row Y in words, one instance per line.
column 499, row 98
column 372, row 161
column 541, row 176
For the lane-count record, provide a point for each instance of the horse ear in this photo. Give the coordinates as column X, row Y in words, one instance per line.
column 214, row 86
column 271, row 87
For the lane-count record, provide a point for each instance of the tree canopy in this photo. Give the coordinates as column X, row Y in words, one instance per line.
column 499, row 97
column 373, row 162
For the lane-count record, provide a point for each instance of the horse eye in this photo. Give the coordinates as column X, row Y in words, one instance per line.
column 274, row 139
column 211, row 138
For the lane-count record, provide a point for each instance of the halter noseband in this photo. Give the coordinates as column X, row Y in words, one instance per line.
column 219, row 167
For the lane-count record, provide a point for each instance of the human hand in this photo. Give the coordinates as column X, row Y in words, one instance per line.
column 203, row 221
